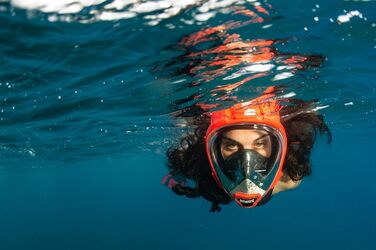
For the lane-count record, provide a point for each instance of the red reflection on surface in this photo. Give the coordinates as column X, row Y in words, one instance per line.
column 230, row 50
column 230, row 87
column 219, row 55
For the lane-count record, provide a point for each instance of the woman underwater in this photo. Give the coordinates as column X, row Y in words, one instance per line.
column 247, row 153
column 252, row 150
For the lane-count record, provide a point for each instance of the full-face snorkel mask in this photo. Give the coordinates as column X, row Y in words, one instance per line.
column 246, row 174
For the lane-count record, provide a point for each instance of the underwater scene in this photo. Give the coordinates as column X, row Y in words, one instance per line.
column 118, row 122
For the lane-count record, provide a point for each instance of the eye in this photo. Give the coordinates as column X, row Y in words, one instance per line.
column 230, row 146
column 260, row 144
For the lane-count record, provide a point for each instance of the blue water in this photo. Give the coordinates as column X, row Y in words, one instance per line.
column 87, row 112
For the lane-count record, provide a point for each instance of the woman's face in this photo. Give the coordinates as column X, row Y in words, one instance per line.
column 237, row 139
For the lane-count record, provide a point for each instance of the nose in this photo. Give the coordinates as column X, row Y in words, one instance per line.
column 251, row 161
column 247, row 164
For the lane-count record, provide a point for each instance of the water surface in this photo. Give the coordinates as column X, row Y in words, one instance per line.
column 88, row 95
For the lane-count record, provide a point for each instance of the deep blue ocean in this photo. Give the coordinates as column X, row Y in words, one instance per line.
column 90, row 92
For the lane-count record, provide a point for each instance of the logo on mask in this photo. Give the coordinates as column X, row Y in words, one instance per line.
column 250, row 112
column 247, row 202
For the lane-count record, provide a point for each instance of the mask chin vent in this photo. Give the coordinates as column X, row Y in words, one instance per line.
column 247, row 201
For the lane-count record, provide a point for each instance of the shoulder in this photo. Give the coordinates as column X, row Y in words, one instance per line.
column 284, row 184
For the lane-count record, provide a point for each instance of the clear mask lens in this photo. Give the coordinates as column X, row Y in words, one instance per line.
column 245, row 152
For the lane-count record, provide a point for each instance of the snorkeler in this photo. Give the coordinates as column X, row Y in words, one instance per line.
column 247, row 153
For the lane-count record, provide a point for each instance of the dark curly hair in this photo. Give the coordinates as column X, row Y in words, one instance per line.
column 189, row 158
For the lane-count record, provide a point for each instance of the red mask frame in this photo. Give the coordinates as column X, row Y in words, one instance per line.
column 264, row 110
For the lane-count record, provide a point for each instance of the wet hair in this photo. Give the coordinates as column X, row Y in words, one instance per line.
column 189, row 157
